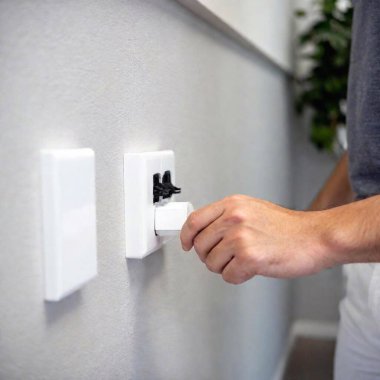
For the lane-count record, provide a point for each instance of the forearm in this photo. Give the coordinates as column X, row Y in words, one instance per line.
column 337, row 189
column 350, row 233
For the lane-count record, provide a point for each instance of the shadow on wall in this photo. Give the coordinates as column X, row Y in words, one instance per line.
column 55, row 311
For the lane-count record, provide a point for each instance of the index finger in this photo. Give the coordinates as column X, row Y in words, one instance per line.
column 197, row 221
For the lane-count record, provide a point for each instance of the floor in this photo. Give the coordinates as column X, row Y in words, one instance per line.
column 311, row 359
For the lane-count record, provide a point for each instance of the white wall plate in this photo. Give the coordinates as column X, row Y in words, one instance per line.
column 139, row 168
column 69, row 220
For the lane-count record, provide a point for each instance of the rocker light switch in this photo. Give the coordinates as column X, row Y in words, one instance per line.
column 69, row 220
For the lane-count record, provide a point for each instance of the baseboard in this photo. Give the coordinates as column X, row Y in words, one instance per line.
column 315, row 329
column 305, row 328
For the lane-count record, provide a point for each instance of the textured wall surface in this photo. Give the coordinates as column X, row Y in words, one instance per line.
column 123, row 76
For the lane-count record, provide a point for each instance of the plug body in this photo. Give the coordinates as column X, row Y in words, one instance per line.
column 170, row 217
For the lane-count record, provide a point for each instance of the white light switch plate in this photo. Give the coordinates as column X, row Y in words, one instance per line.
column 69, row 220
column 139, row 168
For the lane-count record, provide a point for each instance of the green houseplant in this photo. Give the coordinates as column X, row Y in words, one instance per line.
column 326, row 46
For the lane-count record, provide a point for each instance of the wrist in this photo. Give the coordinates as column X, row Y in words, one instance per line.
column 330, row 241
column 340, row 237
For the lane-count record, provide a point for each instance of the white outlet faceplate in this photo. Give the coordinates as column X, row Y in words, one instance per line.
column 139, row 168
column 69, row 220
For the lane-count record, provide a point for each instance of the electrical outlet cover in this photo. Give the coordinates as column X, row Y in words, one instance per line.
column 69, row 220
column 139, row 168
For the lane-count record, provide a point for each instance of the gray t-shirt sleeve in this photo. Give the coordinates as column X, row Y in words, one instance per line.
column 363, row 106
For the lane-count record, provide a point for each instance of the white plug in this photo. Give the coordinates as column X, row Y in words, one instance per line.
column 170, row 217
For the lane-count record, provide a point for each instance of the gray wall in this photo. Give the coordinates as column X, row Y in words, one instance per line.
column 133, row 75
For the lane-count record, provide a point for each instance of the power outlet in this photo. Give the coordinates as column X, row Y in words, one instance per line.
column 139, row 169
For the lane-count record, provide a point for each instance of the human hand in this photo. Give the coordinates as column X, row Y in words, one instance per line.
column 240, row 237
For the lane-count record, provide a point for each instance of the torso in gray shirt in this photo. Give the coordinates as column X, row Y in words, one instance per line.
column 363, row 107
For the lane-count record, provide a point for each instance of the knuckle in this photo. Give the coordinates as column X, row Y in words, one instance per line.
column 226, row 277
column 197, row 245
column 201, row 257
column 239, row 237
column 236, row 216
column 192, row 221
column 211, row 266
column 235, row 198
column 199, row 250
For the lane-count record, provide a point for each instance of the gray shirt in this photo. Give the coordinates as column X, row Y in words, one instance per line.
column 363, row 106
